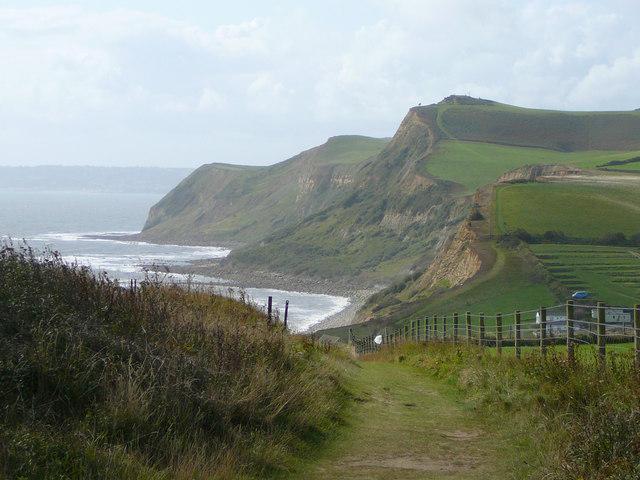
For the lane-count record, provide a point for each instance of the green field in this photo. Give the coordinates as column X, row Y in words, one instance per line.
column 474, row 164
column 577, row 210
column 561, row 131
column 611, row 274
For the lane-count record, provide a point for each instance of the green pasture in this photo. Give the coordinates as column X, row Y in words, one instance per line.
column 512, row 283
column 577, row 210
column 474, row 164
column 611, row 274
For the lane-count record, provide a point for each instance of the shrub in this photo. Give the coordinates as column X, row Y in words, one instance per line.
column 99, row 381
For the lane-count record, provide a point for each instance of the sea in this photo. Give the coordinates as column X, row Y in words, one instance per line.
column 72, row 222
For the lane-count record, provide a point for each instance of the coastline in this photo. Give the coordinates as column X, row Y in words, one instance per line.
column 216, row 268
column 222, row 275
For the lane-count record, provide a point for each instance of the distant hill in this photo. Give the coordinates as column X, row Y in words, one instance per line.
column 385, row 214
column 230, row 203
column 95, row 179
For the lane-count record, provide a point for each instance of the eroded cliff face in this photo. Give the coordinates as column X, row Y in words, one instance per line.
column 456, row 263
column 532, row 173
column 393, row 216
column 229, row 204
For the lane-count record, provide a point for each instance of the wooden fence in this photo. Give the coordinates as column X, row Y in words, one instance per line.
column 273, row 316
column 569, row 324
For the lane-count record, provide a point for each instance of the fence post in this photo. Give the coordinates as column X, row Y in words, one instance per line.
column 455, row 327
column 468, row 322
column 602, row 334
column 418, row 325
column 636, row 333
column 570, row 331
column 435, row 327
column 482, row 330
column 444, row 328
column 516, row 340
column 350, row 339
column 543, row 331
column 286, row 313
column 426, row 328
column 269, row 309
column 499, row 333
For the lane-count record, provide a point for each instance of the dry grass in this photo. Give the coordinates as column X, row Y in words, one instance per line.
column 98, row 381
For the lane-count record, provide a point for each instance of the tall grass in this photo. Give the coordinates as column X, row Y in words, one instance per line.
column 584, row 419
column 98, row 381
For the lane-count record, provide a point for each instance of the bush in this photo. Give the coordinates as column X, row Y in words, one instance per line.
column 618, row 239
column 99, row 381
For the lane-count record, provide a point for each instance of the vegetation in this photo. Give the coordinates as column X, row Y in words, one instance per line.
column 585, row 420
column 374, row 210
column 516, row 280
column 233, row 203
column 577, row 210
column 475, row 164
column 99, row 381
column 610, row 274
column 562, row 131
column 406, row 425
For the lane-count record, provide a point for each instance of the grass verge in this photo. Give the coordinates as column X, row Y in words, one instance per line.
column 585, row 420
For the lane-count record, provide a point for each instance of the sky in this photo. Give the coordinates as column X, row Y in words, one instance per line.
column 166, row 83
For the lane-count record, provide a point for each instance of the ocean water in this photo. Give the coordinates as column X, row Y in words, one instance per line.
column 65, row 221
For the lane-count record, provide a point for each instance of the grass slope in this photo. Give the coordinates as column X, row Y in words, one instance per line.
column 231, row 203
column 393, row 212
column 474, row 164
column 368, row 209
column 101, row 382
column 514, row 282
column 611, row 274
column 554, row 130
column 577, row 210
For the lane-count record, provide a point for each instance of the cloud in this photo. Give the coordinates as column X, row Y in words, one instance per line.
column 210, row 99
column 301, row 73
column 614, row 84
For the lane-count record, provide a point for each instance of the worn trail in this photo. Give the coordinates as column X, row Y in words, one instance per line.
column 408, row 426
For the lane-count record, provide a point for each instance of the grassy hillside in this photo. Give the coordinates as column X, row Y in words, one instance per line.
column 101, row 382
column 221, row 203
column 376, row 211
column 610, row 274
column 475, row 164
column 577, row 210
column 514, row 281
column 554, row 130
column 403, row 200
column 392, row 218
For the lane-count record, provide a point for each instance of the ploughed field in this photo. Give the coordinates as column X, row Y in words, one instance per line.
column 611, row 274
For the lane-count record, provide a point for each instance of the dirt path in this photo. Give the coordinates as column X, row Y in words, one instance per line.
column 407, row 426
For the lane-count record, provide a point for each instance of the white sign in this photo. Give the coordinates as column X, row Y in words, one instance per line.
column 613, row 315
column 378, row 340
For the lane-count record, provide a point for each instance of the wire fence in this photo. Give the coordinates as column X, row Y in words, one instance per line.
column 273, row 314
column 570, row 324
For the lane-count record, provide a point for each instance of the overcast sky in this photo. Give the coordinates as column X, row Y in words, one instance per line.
column 171, row 83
